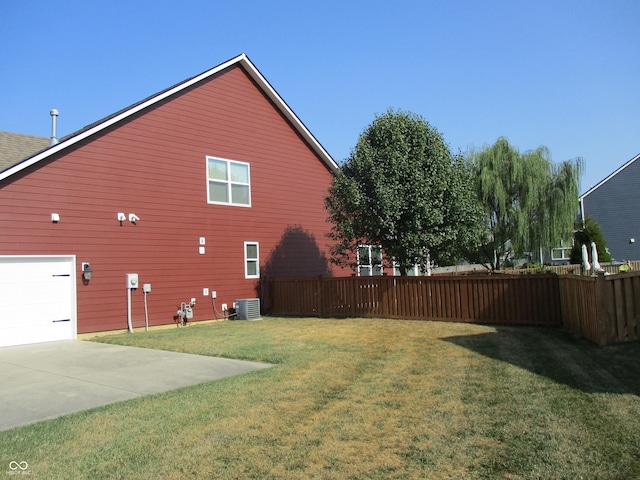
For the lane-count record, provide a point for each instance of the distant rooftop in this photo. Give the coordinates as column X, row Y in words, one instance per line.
column 15, row 147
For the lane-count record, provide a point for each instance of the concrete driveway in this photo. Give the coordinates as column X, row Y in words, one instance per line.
column 47, row 380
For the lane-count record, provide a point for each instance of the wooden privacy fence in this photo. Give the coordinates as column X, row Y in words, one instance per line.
column 603, row 309
column 506, row 299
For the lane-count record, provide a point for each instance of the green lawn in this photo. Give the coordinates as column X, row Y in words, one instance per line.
column 362, row 399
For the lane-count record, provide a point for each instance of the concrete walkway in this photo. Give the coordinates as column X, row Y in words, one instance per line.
column 47, row 380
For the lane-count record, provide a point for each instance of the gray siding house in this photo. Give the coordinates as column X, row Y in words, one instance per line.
column 615, row 204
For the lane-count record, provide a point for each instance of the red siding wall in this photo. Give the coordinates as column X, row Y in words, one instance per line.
column 154, row 165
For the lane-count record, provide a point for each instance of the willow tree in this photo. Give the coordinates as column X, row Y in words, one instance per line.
column 402, row 189
column 529, row 203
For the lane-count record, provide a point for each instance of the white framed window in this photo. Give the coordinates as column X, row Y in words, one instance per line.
column 415, row 271
column 369, row 260
column 251, row 260
column 228, row 182
column 563, row 253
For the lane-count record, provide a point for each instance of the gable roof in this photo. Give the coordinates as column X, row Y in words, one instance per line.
column 15, row 147
column 241, row 60
column 598, row 185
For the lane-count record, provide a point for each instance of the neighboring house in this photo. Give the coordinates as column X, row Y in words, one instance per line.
column 614, row 204
column 205, row 187
column 15, row 147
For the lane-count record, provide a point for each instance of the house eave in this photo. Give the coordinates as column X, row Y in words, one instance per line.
column 241, row 59
column 598, row 185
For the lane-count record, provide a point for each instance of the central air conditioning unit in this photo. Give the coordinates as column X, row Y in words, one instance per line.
column 248, row 309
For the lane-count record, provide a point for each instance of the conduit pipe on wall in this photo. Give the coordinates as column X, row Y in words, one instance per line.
column 132, row 284
column 146, row 288
column 129, row 310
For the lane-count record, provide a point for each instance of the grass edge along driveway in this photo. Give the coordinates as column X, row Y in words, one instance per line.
column 361, row 399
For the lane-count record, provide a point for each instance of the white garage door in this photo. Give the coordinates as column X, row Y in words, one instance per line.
column 37, row 299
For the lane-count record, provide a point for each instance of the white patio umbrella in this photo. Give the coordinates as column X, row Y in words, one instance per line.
column 594, row 258
column 585, row 258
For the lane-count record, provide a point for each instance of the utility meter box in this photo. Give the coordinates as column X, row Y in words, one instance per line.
column 132, row 280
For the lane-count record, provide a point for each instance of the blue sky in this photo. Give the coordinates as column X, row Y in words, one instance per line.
column 565, row 74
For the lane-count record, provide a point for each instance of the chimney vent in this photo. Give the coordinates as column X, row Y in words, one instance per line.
column 54, row 113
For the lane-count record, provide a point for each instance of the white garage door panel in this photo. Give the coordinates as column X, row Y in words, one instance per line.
column 37, row 301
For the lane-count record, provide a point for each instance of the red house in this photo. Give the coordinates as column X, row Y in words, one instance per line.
column 201, row 190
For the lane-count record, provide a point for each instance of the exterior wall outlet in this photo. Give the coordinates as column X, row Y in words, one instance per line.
column 214, row 294
column 205, row 292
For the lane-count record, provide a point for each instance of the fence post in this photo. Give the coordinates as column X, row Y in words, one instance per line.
column 602, row 314
column 266, row 298
column 319, row 303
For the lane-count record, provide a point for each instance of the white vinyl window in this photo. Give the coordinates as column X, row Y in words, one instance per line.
column 369, row 260
column 228, row 182
column 415, row 271
column 561, row 253
column 251, row 260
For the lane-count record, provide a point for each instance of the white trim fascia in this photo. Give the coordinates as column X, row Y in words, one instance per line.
column 288, row 113
column 598, row 185
column 241, row 59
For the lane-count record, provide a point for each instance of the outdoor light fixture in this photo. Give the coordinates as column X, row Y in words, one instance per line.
column 86, row 271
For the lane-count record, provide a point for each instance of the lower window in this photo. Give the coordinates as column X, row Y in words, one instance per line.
column 251, row 260
column 369, row 260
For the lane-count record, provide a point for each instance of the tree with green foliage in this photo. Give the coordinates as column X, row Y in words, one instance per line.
column 584, row 235
column 403, row 190
column 529, row 202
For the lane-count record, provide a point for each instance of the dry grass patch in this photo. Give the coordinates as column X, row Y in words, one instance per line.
column 362, row 399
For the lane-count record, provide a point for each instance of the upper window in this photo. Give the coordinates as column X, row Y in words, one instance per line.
column 228, row 182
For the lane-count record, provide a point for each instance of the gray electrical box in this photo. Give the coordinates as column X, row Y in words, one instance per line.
column 146, row 287
column 132, row 280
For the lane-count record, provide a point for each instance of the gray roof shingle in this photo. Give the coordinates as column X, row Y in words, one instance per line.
column 15, row 147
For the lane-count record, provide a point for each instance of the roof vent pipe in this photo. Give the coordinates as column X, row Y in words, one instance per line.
column 54, row 113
